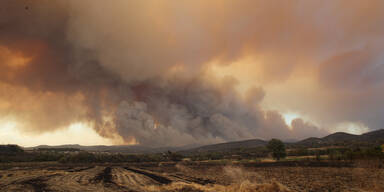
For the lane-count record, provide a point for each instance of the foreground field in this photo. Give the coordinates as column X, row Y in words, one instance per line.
column 182, row 177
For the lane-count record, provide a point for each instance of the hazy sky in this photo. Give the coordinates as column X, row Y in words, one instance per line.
column 172, row 73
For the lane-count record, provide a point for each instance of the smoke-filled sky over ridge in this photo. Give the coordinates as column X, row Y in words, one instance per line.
column 174, row 73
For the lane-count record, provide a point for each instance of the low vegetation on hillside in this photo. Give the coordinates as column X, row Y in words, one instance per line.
column 12, row 153
column 334, row 147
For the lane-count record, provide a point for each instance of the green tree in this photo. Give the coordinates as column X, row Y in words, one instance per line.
column 277, row 148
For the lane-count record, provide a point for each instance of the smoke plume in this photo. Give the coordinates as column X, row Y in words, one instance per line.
column 140, row 70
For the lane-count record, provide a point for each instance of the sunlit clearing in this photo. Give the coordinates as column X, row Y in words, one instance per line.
column 77, row 133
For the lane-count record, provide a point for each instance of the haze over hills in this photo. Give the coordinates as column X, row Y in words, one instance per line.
column 338, row 138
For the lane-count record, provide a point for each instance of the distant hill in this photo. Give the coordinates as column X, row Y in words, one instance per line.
column 335, row 139
column 309, row 142
column 253, row 143
column 344, row 139
column 373, row 135
column 338, row 138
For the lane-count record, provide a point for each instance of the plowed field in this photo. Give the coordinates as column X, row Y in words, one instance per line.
column 178, row 177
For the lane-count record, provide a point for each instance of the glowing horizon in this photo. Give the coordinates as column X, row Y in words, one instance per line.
column 77, row 133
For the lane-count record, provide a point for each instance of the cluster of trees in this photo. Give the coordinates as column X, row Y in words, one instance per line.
column 350, row 153
column 239, row 153
column 275, row 148
column 31, row 157
column 86, row 157
column 57, row 149
column 356, row 153
column 307, row 152
column 14, row 153
column 10, row 149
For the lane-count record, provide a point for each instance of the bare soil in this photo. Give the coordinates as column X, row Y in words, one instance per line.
column 189, row 178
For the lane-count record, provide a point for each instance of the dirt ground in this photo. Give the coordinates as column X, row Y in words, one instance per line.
column 189, row 178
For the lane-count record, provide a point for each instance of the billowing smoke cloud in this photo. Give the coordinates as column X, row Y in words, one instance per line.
column 140, row 69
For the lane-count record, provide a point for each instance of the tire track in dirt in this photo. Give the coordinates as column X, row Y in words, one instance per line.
column 80, row 169
column 184, row 177
column 105, row 177
column 39, row 183
column 76, row 180
column 30, row 183
column 158, row 178
column 190, row 179
column 20, row 180
column 131, row 179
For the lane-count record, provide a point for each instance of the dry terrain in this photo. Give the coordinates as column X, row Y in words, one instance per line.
column 188, row 178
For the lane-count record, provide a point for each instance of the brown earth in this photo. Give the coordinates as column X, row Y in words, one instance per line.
column 189, row 178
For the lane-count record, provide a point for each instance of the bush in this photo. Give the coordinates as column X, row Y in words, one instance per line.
column 335, row 155
column 174, row 156
column 82, row 157
column 47, row 156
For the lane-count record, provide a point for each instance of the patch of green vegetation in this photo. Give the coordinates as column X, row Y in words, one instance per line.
column 356, row 153
column 277, row 148
column 14, row 153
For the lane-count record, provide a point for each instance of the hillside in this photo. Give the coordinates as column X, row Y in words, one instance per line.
column 373, row 136
column 335, row 139
column 343, row 139
column 253, row 143
column 338, row 138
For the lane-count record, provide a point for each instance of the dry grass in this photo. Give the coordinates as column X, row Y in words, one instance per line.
column 245, row 186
